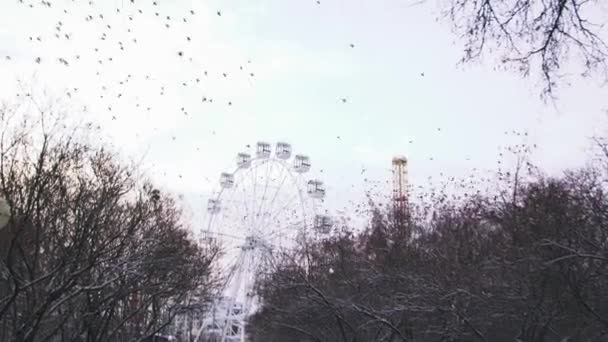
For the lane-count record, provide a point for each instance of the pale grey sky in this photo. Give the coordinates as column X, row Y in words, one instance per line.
column 303, row 66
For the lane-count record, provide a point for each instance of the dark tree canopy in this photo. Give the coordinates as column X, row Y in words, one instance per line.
column 530, row 264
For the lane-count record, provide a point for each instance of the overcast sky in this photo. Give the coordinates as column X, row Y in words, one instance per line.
column 289, row 65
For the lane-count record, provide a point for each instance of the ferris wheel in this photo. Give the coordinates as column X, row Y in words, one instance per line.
column 261, row 209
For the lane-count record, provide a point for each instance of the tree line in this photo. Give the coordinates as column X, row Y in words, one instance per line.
column 92, row 251
column 529, row 263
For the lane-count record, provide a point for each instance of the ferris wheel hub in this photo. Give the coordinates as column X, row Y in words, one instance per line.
column 252, row 242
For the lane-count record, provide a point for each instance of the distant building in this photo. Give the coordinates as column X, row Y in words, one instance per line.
column 400, row 196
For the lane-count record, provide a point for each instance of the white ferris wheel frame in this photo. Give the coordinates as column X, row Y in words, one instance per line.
column 304, row 226
column 257, row 162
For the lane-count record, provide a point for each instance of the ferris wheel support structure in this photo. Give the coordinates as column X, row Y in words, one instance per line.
column 261, row 209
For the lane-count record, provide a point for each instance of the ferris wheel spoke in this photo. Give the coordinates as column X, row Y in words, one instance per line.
column 283, row 176
column 280, row 231
column 238, row 217
column 254, row 272
column 240, row 285
column 255, row 197
column 240, row 208
column 235, row 210
column 283, row 236
column 257, row 203
column 230, row 236
column 275, row 223
column 269, row 168
column 232, row 270
column 284, row 207
column 245, row 198
column 224, row 214
column 250, row 197
column 229, row 266
column 280, row 212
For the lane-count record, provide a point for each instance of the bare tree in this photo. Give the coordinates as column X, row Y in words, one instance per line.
column 535, row 36
column 91, row 252
column 529, row 266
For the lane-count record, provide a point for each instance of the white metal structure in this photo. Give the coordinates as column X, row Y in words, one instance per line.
column 283, row 150
column 400, row 187
column 226, row 180
column 213, row 206
column 316, row 189
column 263, row 150
column 243, row 160
column 323, row 224
column 301, row 163
column 262, row 207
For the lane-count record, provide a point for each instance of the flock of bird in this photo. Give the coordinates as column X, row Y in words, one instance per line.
column 109, row 36
column 116, row 33
column 103, row 52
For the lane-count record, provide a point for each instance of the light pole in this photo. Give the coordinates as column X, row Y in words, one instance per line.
column 5, row 212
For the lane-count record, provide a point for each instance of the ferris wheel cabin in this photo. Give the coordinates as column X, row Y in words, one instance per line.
column 283, row 150
column 316, row 189
column 227, row 180
column 301, row 163
column 263, row 150
column 323, row 224
column 213, row 206
column 243, row 160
